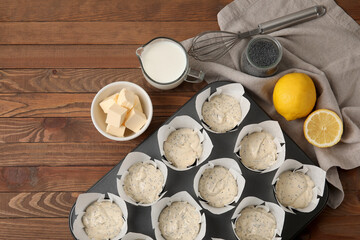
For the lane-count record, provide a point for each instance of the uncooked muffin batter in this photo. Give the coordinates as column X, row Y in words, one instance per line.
column 222, row 113
column 179, row 221
column 218, row 186
column 143, row 183
column 258, row 150
column 183, row 147
column 102, row 220
column 294, row 189
column 255, row 223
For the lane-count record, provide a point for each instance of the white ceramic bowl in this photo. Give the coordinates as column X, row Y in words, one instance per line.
column 98, row 116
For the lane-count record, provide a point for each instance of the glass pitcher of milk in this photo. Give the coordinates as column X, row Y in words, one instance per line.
column 165, row 64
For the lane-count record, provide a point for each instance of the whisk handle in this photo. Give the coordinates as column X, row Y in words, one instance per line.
column 292, row 19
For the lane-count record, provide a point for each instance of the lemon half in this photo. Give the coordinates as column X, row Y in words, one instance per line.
column 323, row 128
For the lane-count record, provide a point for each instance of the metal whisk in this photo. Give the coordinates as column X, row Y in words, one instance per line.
column 212, row 45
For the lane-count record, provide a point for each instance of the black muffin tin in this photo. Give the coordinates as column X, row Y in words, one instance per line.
column 257, row 184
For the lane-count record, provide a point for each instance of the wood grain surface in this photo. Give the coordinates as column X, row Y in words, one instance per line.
column 54, row 56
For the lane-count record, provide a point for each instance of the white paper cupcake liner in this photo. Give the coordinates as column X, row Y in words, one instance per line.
column 316, row 174
column 234, row 169
column 184, row 122
column 131, row 159
column 273, row 128
column 86, row 199
column 235, row 90
column 183, row 196
column 136, row 236
column 273, row 208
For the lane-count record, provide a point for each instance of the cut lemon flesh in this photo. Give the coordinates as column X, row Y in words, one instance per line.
column 323, row 128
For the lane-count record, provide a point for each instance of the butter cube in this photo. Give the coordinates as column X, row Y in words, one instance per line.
column 126, row 98
column 137, row 103
column 116, row 131
column 116, row 115
column 106, row 104
column 135, row 120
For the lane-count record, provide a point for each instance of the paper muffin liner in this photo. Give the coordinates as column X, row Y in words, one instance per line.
column 316, row 174
column 131, row 159
column 273, row 128
column 235, row 171
column 183, row 196
column 273, row 208
column 86, row 199
column 136, row 236
column 184, row 122
column 236, row 90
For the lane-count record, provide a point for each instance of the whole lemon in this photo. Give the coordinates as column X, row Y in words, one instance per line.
column 294, row 96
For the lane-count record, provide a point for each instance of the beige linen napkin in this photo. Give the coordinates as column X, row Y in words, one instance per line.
column 327, row 49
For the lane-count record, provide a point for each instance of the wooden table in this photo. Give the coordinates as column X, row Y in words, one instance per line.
column 54, row 56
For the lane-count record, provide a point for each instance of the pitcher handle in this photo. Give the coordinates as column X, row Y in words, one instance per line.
column 195, row 76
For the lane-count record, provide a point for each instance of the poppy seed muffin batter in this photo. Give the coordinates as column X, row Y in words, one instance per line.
column 218, row 186
column 183, row 147
column 222, row 113
column 179, row 221
column 294, row 189
column 255, row 223
column 258, row 150
column 143, row 183
column 102, row 220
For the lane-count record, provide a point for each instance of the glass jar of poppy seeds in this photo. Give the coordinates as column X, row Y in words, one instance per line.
column 261, row 56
